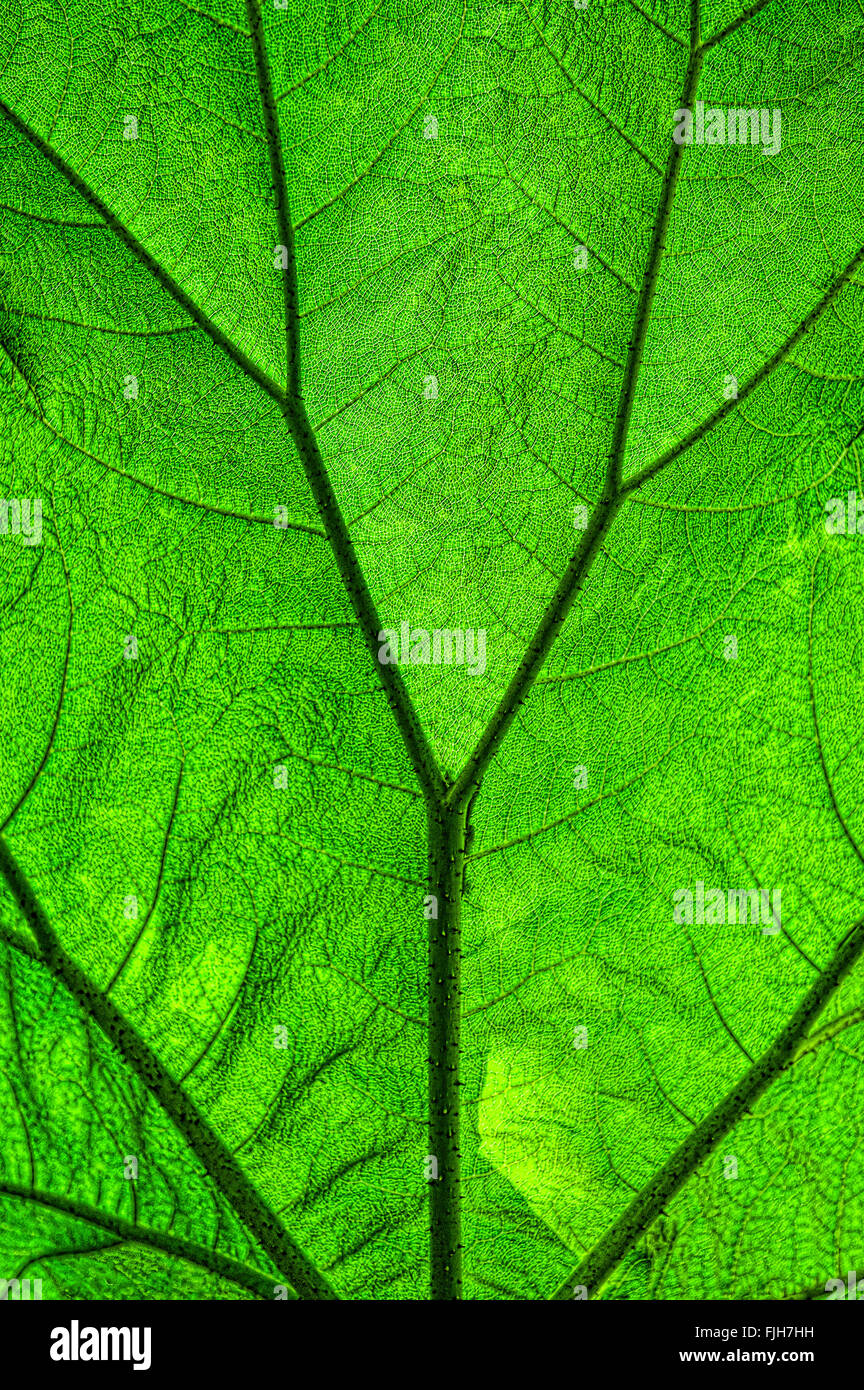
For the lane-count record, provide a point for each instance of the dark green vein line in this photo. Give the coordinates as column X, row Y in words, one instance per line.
column 109, row 328
column 736, row 24
column 661, row 1088
column 610, row 502
column 373, row 385
column 656, row 1194
column 64, row 1252
column 550, row 625
column 364, row 173
column 391, row 677
column 817, row 732
column 817, row 1291
column 652, row 469
column 584, row 95
column 727, row 1027
column 649, row 285
column 316, row 72
column 16, row 372
column 53, row 221
column 61, row 694
column 657, row 25
column 10, row 937
column 294, row 410
column 225, row 1171
column 374, row 869
column 221, row 23
column 349, row 772
column 829, row 1031
column 245, row 1276
column 602, row 796
column 559, row 222
column 133, row 945
column 448, row 827
column 290, row 290
column 447, row 834
column 301, row 526
column 269, row 627
column 229, row 1010
column 165, row 279
column 558, row 327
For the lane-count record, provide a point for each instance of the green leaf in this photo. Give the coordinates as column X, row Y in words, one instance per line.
column 333, row 968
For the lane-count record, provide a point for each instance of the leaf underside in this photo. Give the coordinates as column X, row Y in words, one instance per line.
column 323, row 976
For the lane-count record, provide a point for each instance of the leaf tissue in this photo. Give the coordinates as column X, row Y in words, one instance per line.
column 431, row 828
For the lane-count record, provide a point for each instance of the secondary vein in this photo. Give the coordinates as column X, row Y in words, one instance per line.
column 219, row 1163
